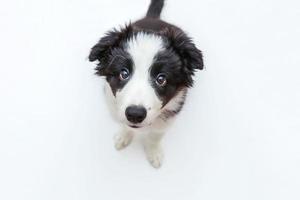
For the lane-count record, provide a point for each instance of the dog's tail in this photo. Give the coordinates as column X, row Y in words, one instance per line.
column 155, row 8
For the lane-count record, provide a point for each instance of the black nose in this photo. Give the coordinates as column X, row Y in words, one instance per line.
column 136, row 114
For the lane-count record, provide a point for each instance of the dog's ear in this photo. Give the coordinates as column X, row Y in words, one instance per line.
column 102, row 50
column 183, row 45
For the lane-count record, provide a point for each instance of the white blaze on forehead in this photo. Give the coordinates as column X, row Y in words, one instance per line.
column 143, row 48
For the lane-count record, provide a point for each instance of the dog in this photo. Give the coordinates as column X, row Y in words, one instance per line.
column 149, row 66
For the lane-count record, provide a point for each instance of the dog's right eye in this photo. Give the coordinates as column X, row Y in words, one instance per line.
column 124, row 75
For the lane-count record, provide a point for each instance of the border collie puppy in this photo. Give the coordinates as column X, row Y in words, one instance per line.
column 148, row 66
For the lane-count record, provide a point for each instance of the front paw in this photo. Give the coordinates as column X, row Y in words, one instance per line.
column 122, row 140
column 155, row 155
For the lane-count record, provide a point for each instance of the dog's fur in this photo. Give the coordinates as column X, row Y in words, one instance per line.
column 148, row 66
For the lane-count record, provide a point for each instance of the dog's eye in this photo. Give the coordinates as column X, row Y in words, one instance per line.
column 124, row 75
column 161, row 80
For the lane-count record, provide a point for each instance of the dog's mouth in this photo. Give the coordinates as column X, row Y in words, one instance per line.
column 138, row 126
column 135, row 126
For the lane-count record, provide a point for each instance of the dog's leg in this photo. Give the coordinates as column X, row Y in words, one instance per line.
column 123, row 139
column 153, row 149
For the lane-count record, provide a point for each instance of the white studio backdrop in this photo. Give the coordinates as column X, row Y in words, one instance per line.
column 237, row 137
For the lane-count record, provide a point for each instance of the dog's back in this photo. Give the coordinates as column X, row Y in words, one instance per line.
column 152, row 21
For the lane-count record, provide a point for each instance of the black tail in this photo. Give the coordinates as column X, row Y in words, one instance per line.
column 155, row 8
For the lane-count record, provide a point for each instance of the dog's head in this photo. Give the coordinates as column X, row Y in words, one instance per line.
column 148, row 72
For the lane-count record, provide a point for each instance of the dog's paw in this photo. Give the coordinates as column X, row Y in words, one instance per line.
column 122, row 140
column 155, row 156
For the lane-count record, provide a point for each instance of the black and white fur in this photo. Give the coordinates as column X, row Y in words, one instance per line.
column 148, row 66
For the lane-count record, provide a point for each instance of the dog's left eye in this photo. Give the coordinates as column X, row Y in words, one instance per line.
column 161, row 80
column 124, row 74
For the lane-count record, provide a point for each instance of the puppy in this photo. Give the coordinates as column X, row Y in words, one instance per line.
column 148, row 66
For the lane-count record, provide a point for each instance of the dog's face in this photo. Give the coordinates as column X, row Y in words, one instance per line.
column 147, row 72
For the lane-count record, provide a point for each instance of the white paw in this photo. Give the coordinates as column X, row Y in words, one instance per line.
column 122, row 140
column 155, row 156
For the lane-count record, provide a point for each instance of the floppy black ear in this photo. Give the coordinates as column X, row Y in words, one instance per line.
column 102, row 50
column 191, row 56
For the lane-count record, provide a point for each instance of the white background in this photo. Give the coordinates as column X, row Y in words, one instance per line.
column 238, row 136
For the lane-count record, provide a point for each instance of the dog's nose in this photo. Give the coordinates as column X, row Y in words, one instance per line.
column 136, row 114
